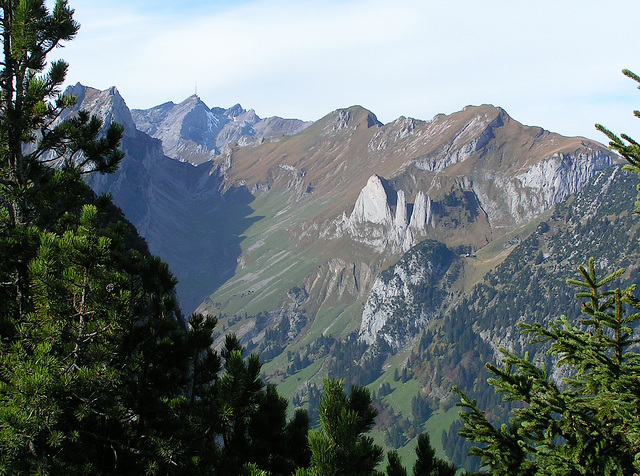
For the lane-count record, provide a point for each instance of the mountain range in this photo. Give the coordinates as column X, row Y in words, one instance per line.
column 350, row 247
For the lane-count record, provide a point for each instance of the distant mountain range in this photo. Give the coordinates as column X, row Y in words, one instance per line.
column 344, row 240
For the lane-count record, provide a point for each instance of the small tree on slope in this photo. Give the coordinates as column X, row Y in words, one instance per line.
column 590, row 422
column 341, row 446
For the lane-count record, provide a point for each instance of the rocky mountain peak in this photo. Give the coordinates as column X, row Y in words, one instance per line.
column 422, row 214
column 108, row 105
column 350, row 118
column 235, row 111
column 193, row 132
column 372, row 204
column 377, row 203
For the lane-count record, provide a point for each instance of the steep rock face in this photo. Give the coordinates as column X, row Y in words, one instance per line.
column 530, row 285
column 465, row 141
column 158, row 195
column 108, row 105
column 188, row 130
column 370, row 221
column 372, row 204
column 192, row 132
column 404, row 297
column 400, row 221
column 421, row 216
column 536, row 189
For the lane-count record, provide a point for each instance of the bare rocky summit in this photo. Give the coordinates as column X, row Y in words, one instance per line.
column 192, row 132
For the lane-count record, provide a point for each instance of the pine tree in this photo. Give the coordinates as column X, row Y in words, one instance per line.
column 589, row 423
column 427, row 463
column 31, row 138
column 340, row 446
column 394, row 464
column 73, row 295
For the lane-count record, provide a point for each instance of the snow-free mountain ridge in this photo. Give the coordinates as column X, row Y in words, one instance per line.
column 300, row 236
column 192, row 132
column 345, row 182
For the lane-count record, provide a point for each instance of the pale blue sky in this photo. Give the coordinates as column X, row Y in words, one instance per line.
column 552, row 63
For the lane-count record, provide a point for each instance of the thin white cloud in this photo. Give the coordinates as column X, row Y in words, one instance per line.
column 553, row 63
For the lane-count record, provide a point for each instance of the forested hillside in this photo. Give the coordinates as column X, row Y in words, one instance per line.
column 576, row 414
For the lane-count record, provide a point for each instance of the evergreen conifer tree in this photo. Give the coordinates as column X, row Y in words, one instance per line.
column 427, row 463
column 30, row 136
column 394, row 464
column 341, row 446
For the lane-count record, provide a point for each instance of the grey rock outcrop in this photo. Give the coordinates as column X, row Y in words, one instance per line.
column 108, row 105
column 536, row 189
column 371, row 223
column 400, row 221
column 421, row 216
column 191, row 132
column 397, row 307
column 372, row 204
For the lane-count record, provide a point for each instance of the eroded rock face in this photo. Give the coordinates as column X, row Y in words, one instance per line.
column 108, row 105
column 502, row 200
column 337, row 280
column 371, row 223
column 421, row 216
column 518, row 199
column 404, row 297
column 471, row 138
column 372, row 204
column 400, row 221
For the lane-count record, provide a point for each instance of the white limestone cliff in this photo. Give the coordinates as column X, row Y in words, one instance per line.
column 372, row 204
column 537, row 188
column 392, row 310
column 370, row 222
column 401, row 211
column 422, row 215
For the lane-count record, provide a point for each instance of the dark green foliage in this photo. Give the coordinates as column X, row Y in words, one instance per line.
column 345, row 359
column 384, row 390
column 420, row 408
column 394, row 465
column 579, row 427
column 100, row 351
column 296, row 439
column 396, row 434
column 340, row 446
column 457, row 449
column 427, row 463
column 30, row 103
column 519, row 289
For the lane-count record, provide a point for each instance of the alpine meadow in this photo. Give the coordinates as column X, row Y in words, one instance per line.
column 195, row 290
